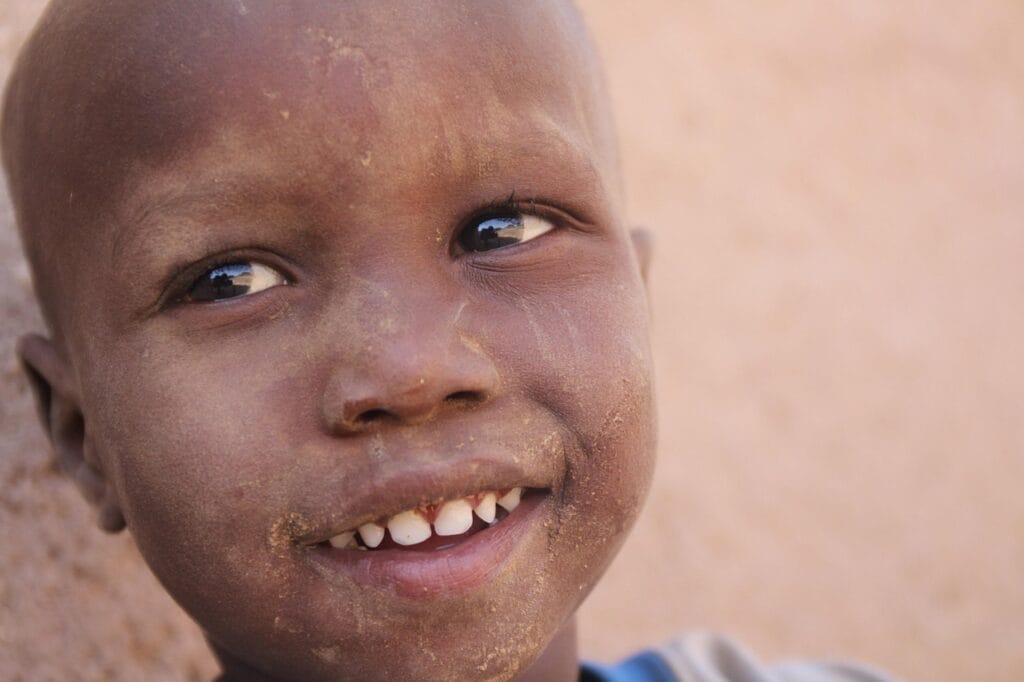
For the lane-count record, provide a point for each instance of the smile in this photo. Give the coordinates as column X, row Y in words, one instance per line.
column 429, row 551
column 434, row 526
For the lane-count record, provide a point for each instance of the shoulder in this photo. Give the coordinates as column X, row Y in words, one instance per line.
column 704, row 657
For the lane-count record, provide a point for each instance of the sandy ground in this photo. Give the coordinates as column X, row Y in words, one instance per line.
column 838, row 193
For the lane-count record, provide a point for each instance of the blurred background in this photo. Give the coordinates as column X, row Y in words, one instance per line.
column 837, row 193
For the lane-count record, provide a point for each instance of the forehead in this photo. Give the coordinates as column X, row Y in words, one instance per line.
column 346, row 74
column 455, row 89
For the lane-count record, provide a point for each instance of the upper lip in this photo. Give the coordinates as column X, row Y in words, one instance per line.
column 419, row 483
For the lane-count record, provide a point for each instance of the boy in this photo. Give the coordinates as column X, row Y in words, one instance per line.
column 346, row 325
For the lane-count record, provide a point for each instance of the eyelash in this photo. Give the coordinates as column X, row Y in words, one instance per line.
column 509, row 203
column 558, row 213
column 504, row 206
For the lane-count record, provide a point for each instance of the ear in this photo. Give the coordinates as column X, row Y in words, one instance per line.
column 643, row 245
column 61, row 415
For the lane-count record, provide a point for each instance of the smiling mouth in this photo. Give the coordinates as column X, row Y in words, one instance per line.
column 432, row 527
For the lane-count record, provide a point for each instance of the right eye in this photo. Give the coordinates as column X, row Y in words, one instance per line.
column 233, row 280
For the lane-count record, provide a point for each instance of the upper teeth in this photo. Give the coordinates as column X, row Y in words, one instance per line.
column 413, row 526
column 371, row 533
column 485, row 510
column 453, row 518
column 409, row 528
column 511, row 499
column 343, row 539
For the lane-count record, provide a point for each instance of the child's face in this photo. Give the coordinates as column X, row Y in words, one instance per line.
column 297, row 322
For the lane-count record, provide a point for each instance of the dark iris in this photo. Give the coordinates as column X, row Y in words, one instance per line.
column 492, row 233
column 226, row 281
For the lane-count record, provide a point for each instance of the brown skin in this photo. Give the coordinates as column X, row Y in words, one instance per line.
column 347, row 147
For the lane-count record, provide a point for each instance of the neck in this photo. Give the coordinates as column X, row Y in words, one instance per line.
column 559, row 662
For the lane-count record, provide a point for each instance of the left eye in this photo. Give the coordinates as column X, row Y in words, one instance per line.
column 233, row 280
column 500, row 231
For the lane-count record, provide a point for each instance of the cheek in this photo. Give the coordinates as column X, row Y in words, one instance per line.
column 195, row 451
column 584, row 356
column 210, row 454
column 584, row 353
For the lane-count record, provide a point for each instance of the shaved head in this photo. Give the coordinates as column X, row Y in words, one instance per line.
column 106, row 91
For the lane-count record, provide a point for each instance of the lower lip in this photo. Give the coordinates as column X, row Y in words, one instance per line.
column 444, row 572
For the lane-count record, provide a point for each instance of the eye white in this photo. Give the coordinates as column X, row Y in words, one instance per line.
column 534, row 227
column 261, row 277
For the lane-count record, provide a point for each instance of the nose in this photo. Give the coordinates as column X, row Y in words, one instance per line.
column 408, row 379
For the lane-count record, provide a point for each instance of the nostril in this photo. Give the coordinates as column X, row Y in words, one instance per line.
column 464, row 397
column 371, row 416
column 361, row 415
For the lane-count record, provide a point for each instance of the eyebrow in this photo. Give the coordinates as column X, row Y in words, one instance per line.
column 149, row 212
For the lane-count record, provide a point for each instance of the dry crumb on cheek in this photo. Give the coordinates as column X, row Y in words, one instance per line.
column 284, row 625
column 334, row 49
column 329, row 655
column 281, row 537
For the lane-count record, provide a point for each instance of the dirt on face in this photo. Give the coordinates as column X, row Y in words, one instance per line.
column 836, row 290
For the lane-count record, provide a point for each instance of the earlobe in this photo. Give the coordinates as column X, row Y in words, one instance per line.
column 96, row 489
column 643, row 246
column 61, row 416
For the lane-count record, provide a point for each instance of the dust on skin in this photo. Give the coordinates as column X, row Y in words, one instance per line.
column 336, row 49
column 221, row 433
column 330, row 655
